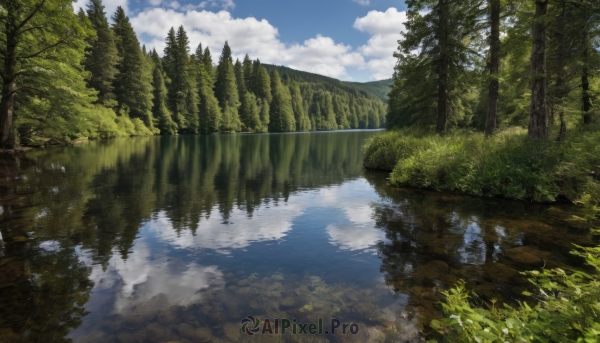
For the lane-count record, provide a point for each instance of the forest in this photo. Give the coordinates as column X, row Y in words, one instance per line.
column 68, row 76
column 498, row 98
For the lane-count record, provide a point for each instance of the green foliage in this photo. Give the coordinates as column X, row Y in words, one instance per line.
column 226, row 91
column 160, row 112
column 102, row 56
column 566, row 310
column 281, row 115
column 508, row 164
column 132, row 85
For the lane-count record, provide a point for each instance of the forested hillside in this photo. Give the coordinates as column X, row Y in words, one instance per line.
column 68, row 76
column 380, row 88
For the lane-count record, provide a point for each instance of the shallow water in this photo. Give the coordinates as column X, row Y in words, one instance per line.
column 180, row 238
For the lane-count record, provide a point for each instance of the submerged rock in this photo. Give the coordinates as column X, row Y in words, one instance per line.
column 186, row 330
column 157, row 333
column 171, row 316
column 203, row 334
column 527, row 255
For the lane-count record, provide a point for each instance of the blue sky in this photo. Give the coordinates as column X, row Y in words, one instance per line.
column 346, row 39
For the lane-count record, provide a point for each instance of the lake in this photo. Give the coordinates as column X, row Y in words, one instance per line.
column 162, row 239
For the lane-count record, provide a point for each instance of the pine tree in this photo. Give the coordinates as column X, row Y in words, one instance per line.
column 227, row 93
column 102, row 56
column 262, row 82
column 302, row 120
column 248, row 73
column 208, row 66
column 264, row 110
column 209, row 113
column 281, row 113
column 160, row 112
column 133, row 90
column 183, row 98
column 249, row 113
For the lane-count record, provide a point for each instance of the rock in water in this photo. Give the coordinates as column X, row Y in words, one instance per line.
column 203, row 334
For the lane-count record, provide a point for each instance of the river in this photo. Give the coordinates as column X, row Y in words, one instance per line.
column 162, row 239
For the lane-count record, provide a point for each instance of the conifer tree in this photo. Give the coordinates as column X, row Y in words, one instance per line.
column 133, row 90
column 281, row 114
column 160, row 112
column 209, row 113
column 208, row 66
column 248, row 73
column 227, row 93
column 183, row 100
column 302, row 120
column 264, row 110
column 262, row 82
column 102, row 57
column 249, row 113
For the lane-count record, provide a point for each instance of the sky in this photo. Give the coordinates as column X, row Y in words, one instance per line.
column 352, row 40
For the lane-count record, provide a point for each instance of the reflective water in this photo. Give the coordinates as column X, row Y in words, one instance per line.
column 178, row 239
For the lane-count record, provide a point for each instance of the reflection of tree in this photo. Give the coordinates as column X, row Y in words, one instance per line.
column 436, row 239
column 97, row 195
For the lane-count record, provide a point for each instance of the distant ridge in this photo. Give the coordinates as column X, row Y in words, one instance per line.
column 379, row 89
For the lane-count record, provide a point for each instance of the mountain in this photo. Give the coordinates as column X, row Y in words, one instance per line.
column 379, row 89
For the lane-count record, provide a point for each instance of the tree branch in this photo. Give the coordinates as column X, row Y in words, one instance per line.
column 30, row 29
column 41, row 51
column 26, row 20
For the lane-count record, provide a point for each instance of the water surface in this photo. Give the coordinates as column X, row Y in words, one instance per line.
column 165, row 239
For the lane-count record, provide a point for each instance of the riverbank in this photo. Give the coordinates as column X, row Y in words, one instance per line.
column 508, row 164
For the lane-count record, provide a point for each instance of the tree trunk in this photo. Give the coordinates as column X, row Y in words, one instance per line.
column 585, row 87
column 538, row 118
column 7, row 129
column 443, row 68
column 492, row 114
column 560, row 85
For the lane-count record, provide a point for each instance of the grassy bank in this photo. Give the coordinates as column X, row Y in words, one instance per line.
column 508, row 164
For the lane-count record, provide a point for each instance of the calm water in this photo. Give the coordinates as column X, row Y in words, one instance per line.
column 179, row 238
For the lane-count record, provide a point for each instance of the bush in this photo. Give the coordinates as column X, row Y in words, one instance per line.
column 567, row 310
column 508, row 164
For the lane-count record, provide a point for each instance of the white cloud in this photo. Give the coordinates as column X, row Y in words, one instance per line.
column 363, row 2
column 385, row 28
column 110, row 6
column 258, row 38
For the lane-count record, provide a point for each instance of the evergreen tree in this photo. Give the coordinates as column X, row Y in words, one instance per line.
column 264, row 110
column 183, row 100
column 248, row 73
column 302, row 120
column 227, row 93
column 262, row 82
column 160, row 112
column 281, row 114
column 102, row 56
column 249, row 112
column 132, row 88
column 209, row 112
column 208, row 66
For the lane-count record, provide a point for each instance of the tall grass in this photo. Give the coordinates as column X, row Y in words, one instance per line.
column 508, row 164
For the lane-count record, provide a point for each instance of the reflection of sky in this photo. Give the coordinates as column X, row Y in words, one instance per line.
column 294, row 237
column 273, row 223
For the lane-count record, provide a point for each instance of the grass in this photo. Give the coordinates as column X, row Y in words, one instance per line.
column 509, row 164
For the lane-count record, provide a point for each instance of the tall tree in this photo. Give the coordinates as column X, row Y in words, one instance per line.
column 209, row 113
column 37, row 37
column 538, row 114
column 300, row 116
column 281, row 114
column 226, row 92
column 160, row 112
column 262, row 83
column 183, row 100
column 491, row 121
column 132, row 88
column 208, row 65
column 102, row 56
